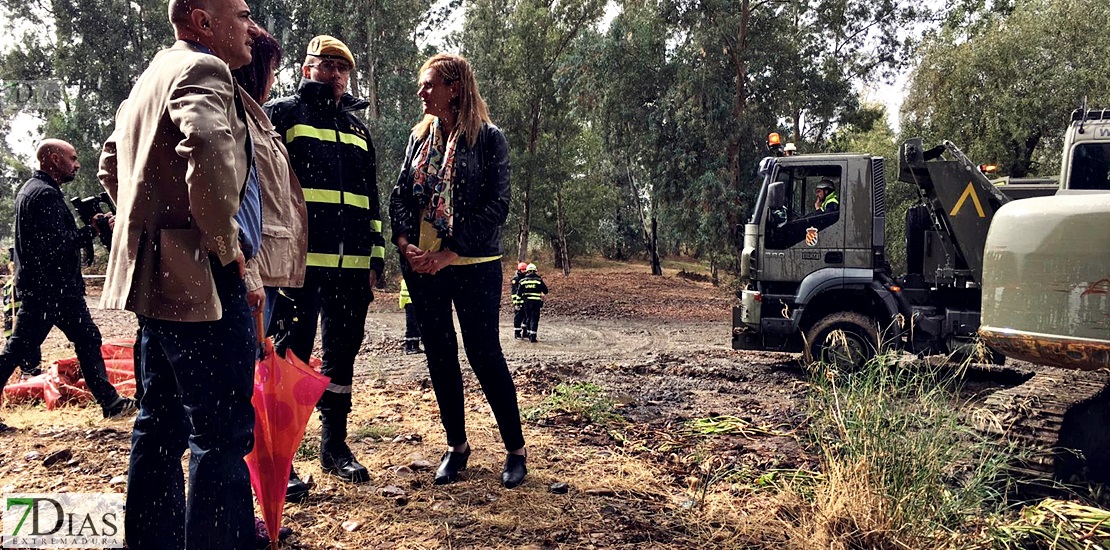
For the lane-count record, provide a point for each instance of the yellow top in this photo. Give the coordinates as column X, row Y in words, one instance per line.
column 430, row 242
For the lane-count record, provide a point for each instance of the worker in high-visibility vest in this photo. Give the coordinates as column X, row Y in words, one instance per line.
column 827, row 201
column 532, row 289
column 412, row 331
column 518, row 301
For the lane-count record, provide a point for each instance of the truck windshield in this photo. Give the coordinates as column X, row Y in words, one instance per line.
column 1090, row 167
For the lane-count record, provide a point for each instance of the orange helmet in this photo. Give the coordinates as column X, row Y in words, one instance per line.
column 521, row 266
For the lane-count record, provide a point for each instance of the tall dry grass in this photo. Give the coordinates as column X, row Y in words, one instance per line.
column 902, row 468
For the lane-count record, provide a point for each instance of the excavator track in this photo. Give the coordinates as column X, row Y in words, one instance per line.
column 1056, row 419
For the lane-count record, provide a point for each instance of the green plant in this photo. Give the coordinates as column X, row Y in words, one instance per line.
column 374, row 432
column 728, row 424
column 1053, row 524
column 583, row 399
column 893, row 435
column 309, row 449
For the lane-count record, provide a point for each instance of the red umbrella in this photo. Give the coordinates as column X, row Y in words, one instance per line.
column 285, row 392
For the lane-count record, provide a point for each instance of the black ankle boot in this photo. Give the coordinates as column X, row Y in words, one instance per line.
column 451, row 465
column 296, row 490
column 514, row 472
column 344, row 466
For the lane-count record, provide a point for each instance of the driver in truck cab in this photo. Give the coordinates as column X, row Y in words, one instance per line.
column 827, row 201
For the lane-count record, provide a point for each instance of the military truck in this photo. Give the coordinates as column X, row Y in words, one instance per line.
column 818, row 281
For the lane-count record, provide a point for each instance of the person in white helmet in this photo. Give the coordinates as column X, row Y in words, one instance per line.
column 532, row 289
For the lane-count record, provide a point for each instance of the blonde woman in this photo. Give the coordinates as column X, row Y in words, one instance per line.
column 451, row 199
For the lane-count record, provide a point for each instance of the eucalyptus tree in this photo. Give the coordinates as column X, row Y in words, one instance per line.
column 521, row 52
column 386, row 38
column 94, row 50
column 1003, row 90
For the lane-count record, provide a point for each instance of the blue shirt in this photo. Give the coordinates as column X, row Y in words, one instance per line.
column 249, row 216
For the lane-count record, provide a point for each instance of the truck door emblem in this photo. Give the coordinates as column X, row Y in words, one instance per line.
column 811, row 236
column 969, row 192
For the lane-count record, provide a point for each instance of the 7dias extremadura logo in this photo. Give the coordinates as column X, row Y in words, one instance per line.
column 63, row 520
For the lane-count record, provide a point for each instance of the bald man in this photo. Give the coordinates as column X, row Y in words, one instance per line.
column 48, row 280
column 177, row 165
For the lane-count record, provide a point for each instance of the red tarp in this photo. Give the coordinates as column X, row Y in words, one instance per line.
column 62, row 383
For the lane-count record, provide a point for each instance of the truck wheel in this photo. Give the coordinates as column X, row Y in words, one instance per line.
column 845, row 339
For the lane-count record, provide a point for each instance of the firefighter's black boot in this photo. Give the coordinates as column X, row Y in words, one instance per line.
column 517, row 334
column 336, row 457
column 296, row 490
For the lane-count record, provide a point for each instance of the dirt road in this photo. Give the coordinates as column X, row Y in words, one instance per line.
column 608, row 394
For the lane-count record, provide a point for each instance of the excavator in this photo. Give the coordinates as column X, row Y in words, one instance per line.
column 1046, row 300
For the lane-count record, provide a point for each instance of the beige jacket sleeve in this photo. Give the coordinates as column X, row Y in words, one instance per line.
column 202, row 106
column 252, row 278
column 107, row 173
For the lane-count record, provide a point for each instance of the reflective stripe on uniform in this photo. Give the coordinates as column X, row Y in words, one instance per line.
column 317, row 259
column 304, row 130
column 336, row 388
column 331, row 196
column 461, row 260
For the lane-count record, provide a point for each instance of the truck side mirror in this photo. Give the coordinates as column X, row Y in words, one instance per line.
column 776, row 195
column 776, row 199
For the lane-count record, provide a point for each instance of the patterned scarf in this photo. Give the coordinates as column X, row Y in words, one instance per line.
column 434, row 168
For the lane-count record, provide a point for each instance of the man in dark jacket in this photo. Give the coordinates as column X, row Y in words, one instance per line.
column 532, row 289
column 333, row 156
column 48, row 278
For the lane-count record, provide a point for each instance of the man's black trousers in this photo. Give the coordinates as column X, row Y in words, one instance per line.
column 37, row 316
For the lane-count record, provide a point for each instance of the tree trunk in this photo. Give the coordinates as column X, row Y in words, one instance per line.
column 522, row 236
column 525, row 224
column 656, row 266
column 714, row 275
column 647, row 232
column 737, row 41
column 562, row 255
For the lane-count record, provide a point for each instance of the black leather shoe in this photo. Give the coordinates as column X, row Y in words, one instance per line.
column 515, row 470
column 451, row 465
column 296, row 490
column 122, row 406
column 344, row 467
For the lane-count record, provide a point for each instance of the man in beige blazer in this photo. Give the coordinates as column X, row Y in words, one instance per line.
column 176, row 165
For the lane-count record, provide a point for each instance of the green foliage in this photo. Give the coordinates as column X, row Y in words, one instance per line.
column 870, row 133
column 586, row 400
column 896, row 428
column 1003, row 88
column 373, row 432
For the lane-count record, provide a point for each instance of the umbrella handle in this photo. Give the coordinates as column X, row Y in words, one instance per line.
column 259, row 328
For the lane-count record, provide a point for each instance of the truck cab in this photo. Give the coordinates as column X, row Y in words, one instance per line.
column 799, row 259
column 817, row 281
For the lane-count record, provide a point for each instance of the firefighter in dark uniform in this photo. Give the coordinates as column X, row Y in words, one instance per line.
column 532, row 289
column 332, row 155
column 518, row 301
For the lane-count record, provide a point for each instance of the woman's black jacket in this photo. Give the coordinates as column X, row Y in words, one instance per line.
column 480, row 201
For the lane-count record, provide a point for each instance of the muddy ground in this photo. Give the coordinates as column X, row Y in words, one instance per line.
column 639, row 361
